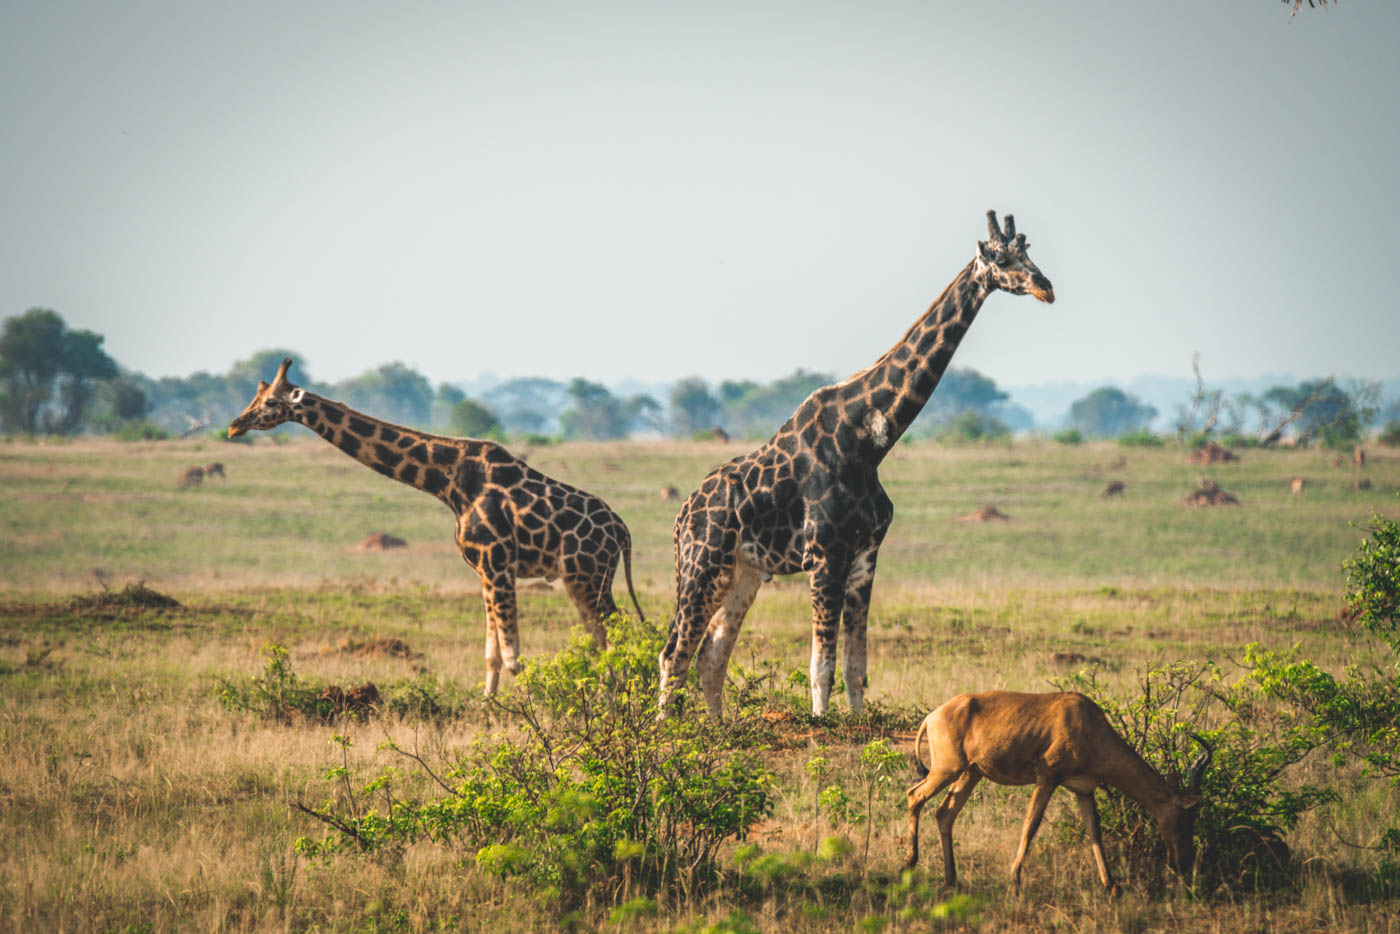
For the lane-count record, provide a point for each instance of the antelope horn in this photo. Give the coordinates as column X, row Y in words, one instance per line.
column 994, row 230
column 281, row 376
column 1198, row 768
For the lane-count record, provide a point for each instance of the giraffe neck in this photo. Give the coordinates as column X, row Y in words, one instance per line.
column 423, row 461
column 900, row 383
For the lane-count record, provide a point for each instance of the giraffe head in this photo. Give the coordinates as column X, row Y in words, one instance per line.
column 1003, row 262
column 274, row 404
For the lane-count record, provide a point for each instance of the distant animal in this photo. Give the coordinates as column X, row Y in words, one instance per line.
column 1045, row 740
column 720, row 434
column 670, row 494
column 1338, row 461
column 1114, row 488
column 1358, row 456
column 1297, row 484
column 215, row 469
column 193, row 476
column 512, row 522
column 1361, row 483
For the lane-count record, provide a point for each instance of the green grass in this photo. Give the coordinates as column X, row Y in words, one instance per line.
column 132, row 800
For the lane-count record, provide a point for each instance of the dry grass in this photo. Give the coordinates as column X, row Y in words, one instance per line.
column 130, row 800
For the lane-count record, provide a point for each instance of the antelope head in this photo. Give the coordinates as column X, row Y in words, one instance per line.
column 1178, row 823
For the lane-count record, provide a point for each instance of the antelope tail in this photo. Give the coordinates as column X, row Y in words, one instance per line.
column 916, row 760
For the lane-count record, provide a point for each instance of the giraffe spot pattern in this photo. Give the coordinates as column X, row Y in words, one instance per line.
column 811, row 499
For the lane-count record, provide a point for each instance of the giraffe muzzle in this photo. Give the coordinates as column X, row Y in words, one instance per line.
column 1046, row 295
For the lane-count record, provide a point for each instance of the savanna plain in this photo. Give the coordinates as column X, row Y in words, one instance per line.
column 158, row 771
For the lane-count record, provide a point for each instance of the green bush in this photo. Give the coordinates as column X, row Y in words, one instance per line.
column 1069, row 436
column 1142, row 438
column 280, row 694
column 140, row 429
column 590, row 793
column 1390, row 434
column 972, row 426
column 1248, row 805
column 1373, row 581
column 1357, row 716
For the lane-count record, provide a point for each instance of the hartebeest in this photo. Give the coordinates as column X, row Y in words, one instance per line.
column 1045, row 740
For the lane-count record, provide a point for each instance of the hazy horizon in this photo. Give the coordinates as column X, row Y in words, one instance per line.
column 632, row 192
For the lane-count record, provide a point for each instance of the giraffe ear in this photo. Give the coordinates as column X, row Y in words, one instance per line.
column 297, row 395
column 985, row 251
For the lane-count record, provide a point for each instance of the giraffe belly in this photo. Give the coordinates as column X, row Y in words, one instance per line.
column 767, row 561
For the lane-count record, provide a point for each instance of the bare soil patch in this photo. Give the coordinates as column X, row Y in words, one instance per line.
column 132, row 596
column 359, row 702
column 381, row 541
column 987, row 513
column 1211, row 453
column 1209, row 493
column 379, row 647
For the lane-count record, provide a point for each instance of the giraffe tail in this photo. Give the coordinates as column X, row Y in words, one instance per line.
column 627, row 572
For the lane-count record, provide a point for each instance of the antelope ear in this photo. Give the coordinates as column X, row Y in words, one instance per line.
column 297, row 395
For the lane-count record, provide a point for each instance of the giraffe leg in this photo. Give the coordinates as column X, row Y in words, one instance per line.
column 947, row 813
column 591, row 612
column 498, row 590
column 828, row 587
column 700, row 592
column 854, row 616
column 712, row 658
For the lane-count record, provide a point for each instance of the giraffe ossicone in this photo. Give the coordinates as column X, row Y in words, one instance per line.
column 810, row 499
column 512, row 522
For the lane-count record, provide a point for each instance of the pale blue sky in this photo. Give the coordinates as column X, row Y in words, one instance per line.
column 654, row 190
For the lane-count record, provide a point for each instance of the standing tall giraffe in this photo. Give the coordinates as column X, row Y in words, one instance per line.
column 512, row 521
column 810, row 499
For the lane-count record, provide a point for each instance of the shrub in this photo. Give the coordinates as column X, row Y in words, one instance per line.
column 1142, row 438
column 140, row 429
column 1357, row 716
column 1247, row 807
column 591, row 794
column 1390, row 434
column 1069, row 436
column 1373, row 581
column 972, row 426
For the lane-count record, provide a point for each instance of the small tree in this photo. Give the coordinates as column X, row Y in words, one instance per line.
column 693, row 407
column 474, row 420
column 40, row 358
column 596, row 413
column 1109, row 411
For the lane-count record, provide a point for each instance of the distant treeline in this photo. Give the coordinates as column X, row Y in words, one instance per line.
column 56, row 380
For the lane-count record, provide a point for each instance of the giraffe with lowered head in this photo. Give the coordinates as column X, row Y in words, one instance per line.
column 810, row 499
column 513, row 522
